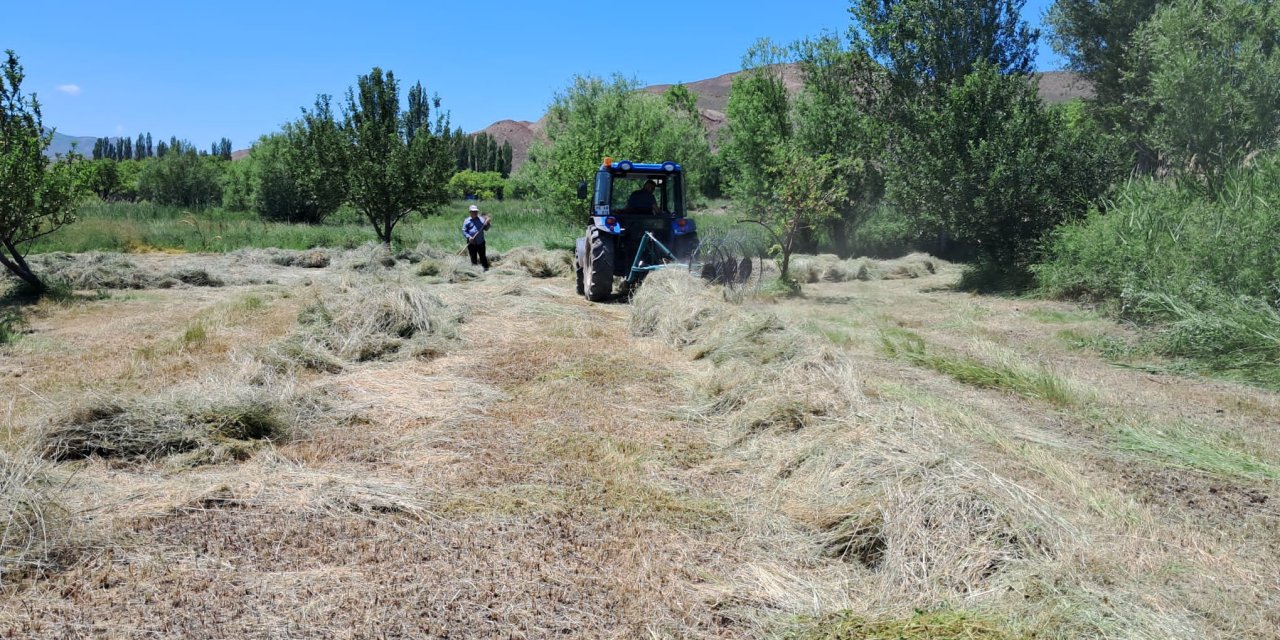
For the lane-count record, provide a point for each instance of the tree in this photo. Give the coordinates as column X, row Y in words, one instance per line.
column 834, row 115
column 1094, row 36
column 807, row 193
column 928, row 45
column 759, row 127
column 1205, row 80
column 140, row 148
column 485, row 185
column 391, row 162
column 150, row 150
column 36, row 197
column 993, row 167
column 594, row 118
column 289, row 183
column 182, row 178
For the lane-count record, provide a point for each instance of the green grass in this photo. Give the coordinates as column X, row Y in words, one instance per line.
column 1020, row 378
column 126, row 227
column 938, row 625
column 11, row 326
column 1191, row 447
column 1195, row 266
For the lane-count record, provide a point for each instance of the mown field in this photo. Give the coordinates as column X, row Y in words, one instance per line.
column 348, row 443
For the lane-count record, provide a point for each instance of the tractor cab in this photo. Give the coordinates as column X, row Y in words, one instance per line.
column 637, row 224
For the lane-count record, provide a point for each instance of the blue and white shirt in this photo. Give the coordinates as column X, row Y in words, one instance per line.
column 474, row 228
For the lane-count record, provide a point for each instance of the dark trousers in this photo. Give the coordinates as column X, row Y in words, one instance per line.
column 476, row 251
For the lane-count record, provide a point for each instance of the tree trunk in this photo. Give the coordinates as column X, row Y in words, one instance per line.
column 19, row 267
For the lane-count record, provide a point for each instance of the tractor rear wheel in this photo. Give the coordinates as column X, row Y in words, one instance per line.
column 599, row 275
column 577, row 270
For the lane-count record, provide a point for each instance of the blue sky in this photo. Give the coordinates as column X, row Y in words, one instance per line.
column 204, row 70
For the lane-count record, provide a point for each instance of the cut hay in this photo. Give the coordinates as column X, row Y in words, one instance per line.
column 424, row 251
column 205, row 427
column 93, row 270
column 809, row 269
column 370, row 257
column 309, row 259
column 31, row 520
column 359, row 324
column 450, row 269
column 539, row 263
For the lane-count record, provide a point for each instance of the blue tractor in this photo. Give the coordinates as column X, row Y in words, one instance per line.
column 638, row 224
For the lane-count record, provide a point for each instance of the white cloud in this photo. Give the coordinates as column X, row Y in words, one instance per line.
column 69, row 89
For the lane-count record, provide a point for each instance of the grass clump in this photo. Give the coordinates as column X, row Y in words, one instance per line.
column 935, row 625
column 369, row 323
column 12, row 324
column 1020, row 378
column 149, row 429
column 31, row 519
column 1191, row 447
column 540, row 263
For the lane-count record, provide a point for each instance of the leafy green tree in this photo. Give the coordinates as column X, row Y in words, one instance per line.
column 928, row 45
column 595, row 118
column 485, row 185
column 680, row 98
column 391, row 162
column 807, row 193
column 140, row 148
column 835, row 115
column 183, row 179
column 150, row 150
column 992, row 166
column 37, row 197
column 759, row 127
column 102, row 177
column 1207, row 82
column 240, row 184
column 288, row 181
column 1095, row 36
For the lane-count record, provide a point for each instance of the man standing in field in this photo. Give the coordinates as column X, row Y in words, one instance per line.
column 473, row 229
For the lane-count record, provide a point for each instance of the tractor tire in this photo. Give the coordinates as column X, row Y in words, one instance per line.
column 577, row 270
column 598, row 279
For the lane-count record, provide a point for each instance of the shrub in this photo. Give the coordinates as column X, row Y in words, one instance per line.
column 485, row 185
column 182, row 179
column 1168, row 251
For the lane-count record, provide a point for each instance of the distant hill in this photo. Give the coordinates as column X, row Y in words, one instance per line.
column 713, row 97
column 62, row 145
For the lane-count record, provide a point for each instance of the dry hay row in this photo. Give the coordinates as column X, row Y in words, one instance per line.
column 917, row 522
column 228, row 415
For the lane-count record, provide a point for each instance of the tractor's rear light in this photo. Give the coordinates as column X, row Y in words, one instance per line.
column 682, row 223
column 626, row 165
column 608, row 162
column 669, row 167
column 610, row 221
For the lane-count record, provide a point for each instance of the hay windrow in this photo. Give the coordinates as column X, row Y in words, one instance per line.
column 31, row 518
column 309, row 259
column 539, row 263
column 369, row 322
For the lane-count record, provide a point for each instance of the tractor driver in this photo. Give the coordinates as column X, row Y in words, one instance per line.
column 642, row 199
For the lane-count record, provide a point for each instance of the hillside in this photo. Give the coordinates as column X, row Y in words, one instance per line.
column 62, row 144
column 713, row 98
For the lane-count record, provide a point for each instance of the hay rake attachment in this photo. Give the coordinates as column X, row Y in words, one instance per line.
column 722, row 261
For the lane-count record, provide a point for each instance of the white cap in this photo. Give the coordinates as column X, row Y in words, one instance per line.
column 473, row 208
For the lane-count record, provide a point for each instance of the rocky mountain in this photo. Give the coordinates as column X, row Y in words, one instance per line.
column 713, row 97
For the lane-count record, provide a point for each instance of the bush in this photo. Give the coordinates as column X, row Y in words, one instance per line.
column 288, row 186
column 183, row 180
column 988, row 163
column 1166, row 250
column 485, row 185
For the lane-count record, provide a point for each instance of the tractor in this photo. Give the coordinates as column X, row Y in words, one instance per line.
column 637, row 225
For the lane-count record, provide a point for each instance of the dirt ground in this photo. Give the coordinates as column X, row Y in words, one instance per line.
column 547, row 472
